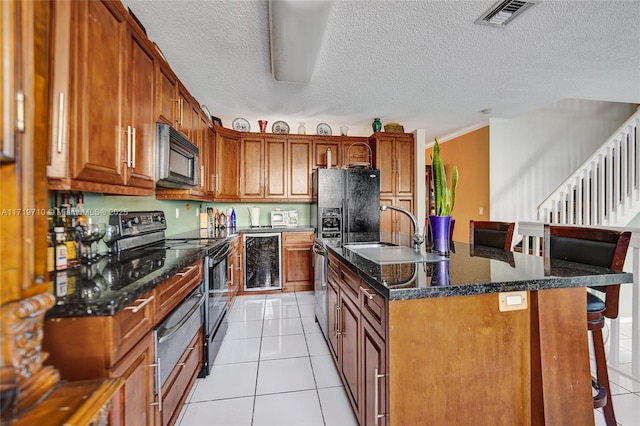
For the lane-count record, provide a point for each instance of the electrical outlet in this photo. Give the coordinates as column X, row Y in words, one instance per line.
column 512, row 301
column 177, row 213
column 481, row 211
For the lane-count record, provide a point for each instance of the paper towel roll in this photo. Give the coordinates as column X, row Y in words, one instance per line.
column 255, row 216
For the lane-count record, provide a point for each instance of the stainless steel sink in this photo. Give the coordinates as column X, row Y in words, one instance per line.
column 385, row 253
column 375, row 244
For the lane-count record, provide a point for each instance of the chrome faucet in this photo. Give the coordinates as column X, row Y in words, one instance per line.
column 417, row 237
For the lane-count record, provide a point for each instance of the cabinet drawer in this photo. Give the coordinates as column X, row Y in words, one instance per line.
column 175, row 289
column 131, row 324
column 352, row 281
column 182, row 378
column 297, row 238
column 373, row 307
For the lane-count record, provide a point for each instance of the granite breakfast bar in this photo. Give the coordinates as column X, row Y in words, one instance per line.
column 485, row 337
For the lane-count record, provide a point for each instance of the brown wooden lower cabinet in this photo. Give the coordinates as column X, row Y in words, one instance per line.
column 182, row 378
column 137, row 394
column 458, row 360
column 356, row 345
column 297, row 261
column 122, row 345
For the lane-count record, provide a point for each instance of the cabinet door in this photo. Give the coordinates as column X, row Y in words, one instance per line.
column 333, row 312
column 166, row 101
column 140, row 115
column 12, row 45
column 320, row 147
column 252, row 167
column 385, row 161
column 227, row 164
column 137, row 393
column 210, row 181
column 299, row 168
column 275, row 164
column 373, row 394
column 96, row 125
column 184, row 119
column 298, row 268
column 349, row 315
column 405, row 166
column 403, row 223
column 387, row 218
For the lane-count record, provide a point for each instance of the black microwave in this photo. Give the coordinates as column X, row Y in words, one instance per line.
column 178, row 159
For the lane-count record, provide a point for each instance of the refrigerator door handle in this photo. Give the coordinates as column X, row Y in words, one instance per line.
column 345, row 220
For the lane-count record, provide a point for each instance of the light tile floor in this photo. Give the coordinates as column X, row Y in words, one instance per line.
column 274, row 368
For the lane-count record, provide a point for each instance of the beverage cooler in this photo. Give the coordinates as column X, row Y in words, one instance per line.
column 262, row 261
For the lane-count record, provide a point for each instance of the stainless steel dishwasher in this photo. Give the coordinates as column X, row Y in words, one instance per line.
column 320, row 285
column 262, row 261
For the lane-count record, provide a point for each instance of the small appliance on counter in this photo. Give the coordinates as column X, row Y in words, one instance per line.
column 284, row 218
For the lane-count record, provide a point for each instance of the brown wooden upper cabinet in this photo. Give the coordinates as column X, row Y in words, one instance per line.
column 276, row 168
column 394, row 156
column 344, row 151
column 103, row 133
column 227, row 164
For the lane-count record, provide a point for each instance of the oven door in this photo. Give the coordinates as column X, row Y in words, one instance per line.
column 217, row 286
column 173, row 335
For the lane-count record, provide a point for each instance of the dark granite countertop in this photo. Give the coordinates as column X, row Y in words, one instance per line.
column 465, row 273
column 107, row 286
column 267, row 229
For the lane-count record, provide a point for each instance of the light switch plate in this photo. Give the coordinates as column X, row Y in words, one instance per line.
column 512, row 301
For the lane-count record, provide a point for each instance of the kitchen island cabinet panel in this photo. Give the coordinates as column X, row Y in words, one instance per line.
column 374, row 378
column 447, row 354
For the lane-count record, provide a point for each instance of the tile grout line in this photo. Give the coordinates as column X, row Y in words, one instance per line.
column 255, row 388
column 313, row 372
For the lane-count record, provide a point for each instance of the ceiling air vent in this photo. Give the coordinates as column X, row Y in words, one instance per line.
column 504, row 12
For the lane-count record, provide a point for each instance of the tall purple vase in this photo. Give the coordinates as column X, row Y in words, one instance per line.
column 440, row 230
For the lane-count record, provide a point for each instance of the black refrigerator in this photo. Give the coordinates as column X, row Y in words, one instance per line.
column 346, row 205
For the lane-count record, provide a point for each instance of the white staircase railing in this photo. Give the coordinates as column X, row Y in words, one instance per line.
column 605, row 190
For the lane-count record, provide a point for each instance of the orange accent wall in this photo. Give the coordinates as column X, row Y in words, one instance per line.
column 470, row 152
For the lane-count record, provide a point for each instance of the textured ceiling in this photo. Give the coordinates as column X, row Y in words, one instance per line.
column 423, row 64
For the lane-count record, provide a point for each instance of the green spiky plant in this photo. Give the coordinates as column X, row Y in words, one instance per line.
column 444, row 198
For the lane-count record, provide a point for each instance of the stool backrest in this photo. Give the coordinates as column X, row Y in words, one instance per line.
column 491, row 234
column 605, row 248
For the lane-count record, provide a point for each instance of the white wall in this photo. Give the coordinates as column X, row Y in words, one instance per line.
column 532, row 154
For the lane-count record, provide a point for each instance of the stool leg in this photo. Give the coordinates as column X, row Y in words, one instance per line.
column 602, row 375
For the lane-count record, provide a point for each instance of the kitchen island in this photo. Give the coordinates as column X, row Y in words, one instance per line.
column 485, row 337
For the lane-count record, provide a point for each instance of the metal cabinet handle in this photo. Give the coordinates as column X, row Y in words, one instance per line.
column 186, row 271
column 339, row 317
column 366, row 293
column 158, row 386
column 60, row 121
column 133, row 149
column 142, row 303
column 128, row 132
column 181, row 112
column 376, row 394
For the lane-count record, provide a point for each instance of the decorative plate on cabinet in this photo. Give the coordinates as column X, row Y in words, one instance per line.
column 323, row 129
column 280, row 127
column 241, row 125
